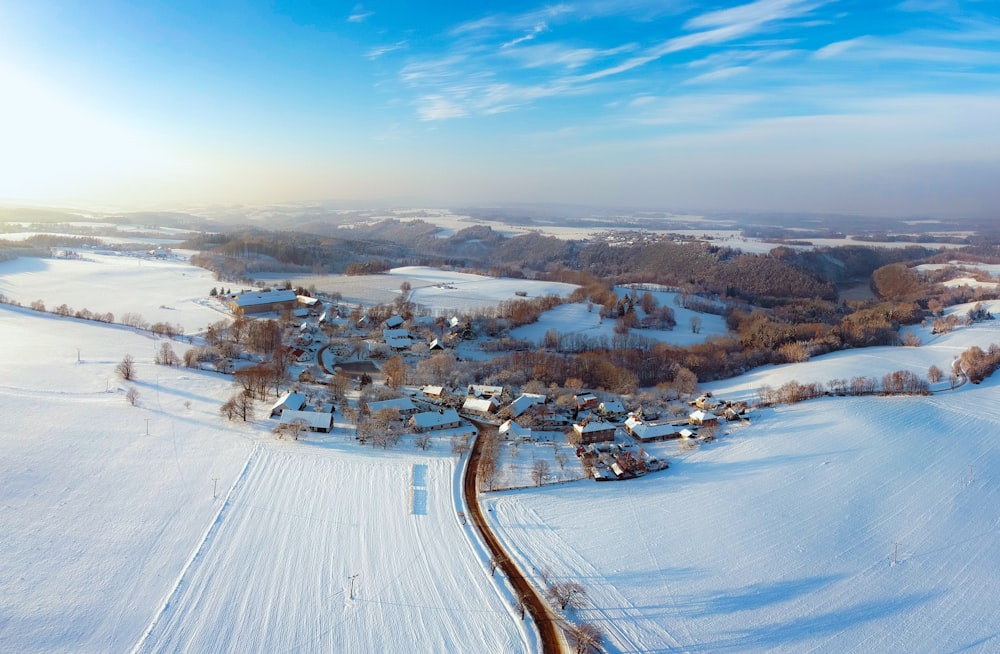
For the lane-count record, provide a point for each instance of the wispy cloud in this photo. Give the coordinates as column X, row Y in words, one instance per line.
column 535, row 31
column 718, row 75
column 359, row 14
column 380, row 50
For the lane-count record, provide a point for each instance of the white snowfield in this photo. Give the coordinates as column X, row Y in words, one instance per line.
column 206, row 536
column 159, row 290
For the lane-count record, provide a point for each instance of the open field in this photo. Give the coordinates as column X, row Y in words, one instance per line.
column 205, row 535
column 159, row 290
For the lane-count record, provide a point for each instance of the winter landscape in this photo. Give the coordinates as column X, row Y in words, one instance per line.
column 549, row 328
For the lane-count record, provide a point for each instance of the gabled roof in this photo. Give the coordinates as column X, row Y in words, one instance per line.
column 429, row 419
column 289, row 400
column 524, row 401
column 514, row 429
column 393, row 321
column 648, row 430
column 593, row 426
column 613, row 406
column 482, row 390
column 395, row 333
column 313, row 419
column 399, row 343
column 404, row 404
column 433, row 390
column 480, row 404
column 264, row 297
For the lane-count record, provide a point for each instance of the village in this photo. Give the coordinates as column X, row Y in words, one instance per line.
column 362, row 360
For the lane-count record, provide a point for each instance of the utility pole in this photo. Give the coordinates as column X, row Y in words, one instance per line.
column 971, row 475
column 147, row 426
column 78, row 355
column 215, row 485
column 352, row 578
column 895, row 554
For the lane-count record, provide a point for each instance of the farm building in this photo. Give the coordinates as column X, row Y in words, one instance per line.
column 263, row 301
column 523, row 402
column 288, row 401
column 586, row 401
column 611, row 408
column 433, row 392
column 404, row 405
column 480, row 405
column 430, row 420
column 593, row 431
column 651, row 431
column 511, row 429
column 701, row 417
column 480, row 390
column 320, row 421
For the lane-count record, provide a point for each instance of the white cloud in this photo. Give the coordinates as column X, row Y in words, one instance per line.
column 378, row 51
column 436, row 107
column 718, row 74
column 535, row 31
column 359, row 14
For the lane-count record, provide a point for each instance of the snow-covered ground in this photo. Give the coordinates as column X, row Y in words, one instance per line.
column 159, row 290
column 205, row 535
column 581, row 318
column 440, row 291
column 780, row 536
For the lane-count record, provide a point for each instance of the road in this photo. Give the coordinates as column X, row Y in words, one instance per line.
column 547, row 622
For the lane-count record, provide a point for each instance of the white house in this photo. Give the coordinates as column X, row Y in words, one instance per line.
column 480, row 405
column 524, row 402
column 288, row 401
column 404, row 405
column 313, row 420
column 430, row 420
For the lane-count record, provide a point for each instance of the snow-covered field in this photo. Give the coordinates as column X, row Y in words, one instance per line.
column 159, row 290
column 204, row 535
column 440, row 291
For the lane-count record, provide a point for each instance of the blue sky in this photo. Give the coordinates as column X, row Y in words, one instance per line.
column 788, row 105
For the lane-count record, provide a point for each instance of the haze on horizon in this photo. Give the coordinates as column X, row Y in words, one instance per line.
column 773, row 105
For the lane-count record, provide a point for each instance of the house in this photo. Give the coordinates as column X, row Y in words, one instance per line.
column 435, row 345
column 430, row 420
column 263, row 301
column 586, row 401
column 524, row 402
column 310, row 303
column 704, row 402
column 481, row 390
column 399, row 343
column 701, row 417
column 290, row 401
column 651, row 431
column 611, row 408
column 434, row 392
column 394, row 321
column 404, row 405
column 320, row 421
column 481, row 405
column 511, row 429
column 593, row 431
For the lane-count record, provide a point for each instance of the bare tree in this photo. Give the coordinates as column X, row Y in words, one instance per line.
column 934, row 374
column 460, row 444
column 126, row 368
column 566, row 593
column 291, row 429
column 695, row 324
column 132, row 396
column 496, row 560
column 394, row 370
column 423, row 441
column 239, row 405
column 166, row 356
column 520, row 603
column 539, row 471
column 586, row 638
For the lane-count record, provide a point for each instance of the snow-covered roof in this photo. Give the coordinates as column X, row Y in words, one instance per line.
column 701, row 416
column 648, row 430
column 480, row 404
column 593, row 426
column 264, row 297
column 393, row 321
column 404, row 404
column 524, row 401
column 395, row 333
column 613, row 406
column 514, row 429
column 433, row 391
column 430, row 419
column 306, row 300
column 483, row 390
column 289, row 400
column 313, row 419
column 399, row 343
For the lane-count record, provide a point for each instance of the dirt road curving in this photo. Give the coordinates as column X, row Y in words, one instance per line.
column 549, row 631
